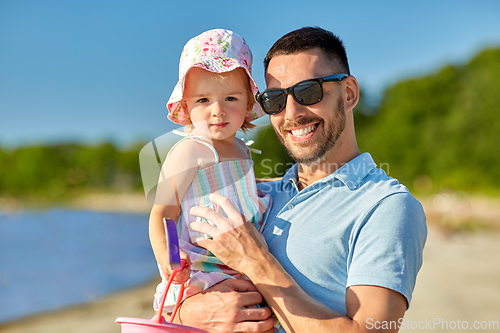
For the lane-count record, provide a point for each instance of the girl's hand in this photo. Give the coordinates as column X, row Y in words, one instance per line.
column 181, row 276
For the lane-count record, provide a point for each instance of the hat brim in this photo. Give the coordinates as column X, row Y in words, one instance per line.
column 178, row 115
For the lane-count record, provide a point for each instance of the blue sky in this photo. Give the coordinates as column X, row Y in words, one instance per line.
column 91, row 71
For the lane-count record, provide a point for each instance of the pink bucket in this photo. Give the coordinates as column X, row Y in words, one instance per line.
column 158, row 324
column 138, row 325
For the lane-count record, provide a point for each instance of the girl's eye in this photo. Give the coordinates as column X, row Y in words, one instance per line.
column 202, row 100
column 230, row 98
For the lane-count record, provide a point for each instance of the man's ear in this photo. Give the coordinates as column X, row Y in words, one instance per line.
column 351, row 90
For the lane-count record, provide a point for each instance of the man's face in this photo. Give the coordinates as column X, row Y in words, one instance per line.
column 308, row 133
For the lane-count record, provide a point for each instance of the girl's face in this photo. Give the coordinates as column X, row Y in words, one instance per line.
column 220, row 99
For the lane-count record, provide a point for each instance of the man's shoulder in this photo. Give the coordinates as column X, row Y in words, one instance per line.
column 378, row 182
column 385, row 197
column 377, row 186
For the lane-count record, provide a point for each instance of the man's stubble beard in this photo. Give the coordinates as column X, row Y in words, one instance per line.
column 331, row 135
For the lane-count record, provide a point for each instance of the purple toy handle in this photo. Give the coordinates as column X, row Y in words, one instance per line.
column 172, row 243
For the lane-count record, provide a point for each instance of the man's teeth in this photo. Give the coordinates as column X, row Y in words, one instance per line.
column 303, row 131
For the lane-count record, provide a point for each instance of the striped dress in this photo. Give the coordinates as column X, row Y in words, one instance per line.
column 234, row 180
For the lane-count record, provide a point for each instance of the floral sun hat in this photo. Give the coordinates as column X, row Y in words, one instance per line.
column 217, row 51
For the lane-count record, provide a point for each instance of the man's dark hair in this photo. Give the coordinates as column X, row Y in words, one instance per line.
column 308, row 38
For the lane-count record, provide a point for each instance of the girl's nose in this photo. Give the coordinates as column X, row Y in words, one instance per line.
column 217, row 109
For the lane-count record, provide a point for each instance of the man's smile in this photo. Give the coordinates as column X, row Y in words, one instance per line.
column 302, row 133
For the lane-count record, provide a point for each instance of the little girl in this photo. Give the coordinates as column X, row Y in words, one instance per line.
column 213, row 99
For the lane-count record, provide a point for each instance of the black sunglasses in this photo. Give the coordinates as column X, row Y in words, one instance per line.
column 307, row 92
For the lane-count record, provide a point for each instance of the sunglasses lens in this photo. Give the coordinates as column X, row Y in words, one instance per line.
column 308, row 92
column 273, row 101
column 305, row 93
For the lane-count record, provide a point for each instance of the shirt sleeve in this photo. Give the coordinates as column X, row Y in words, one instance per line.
column 386, row 246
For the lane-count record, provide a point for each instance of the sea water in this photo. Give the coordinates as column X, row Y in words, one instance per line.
column 55, row 258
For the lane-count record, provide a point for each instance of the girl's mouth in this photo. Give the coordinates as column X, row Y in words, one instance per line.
column 219, row 125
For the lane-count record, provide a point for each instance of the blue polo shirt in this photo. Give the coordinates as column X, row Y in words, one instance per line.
column 356, row 226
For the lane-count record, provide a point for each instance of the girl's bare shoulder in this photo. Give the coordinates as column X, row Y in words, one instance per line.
column 189, row 151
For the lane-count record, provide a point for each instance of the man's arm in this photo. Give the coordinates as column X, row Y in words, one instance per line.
column 299, row 312
column 241, row 247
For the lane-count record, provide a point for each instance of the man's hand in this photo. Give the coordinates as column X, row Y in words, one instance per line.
column 229, row 306
column 235, row 242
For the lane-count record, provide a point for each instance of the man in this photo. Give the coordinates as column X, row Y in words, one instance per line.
column 345, row 240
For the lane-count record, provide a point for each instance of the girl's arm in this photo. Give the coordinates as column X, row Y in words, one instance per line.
column 159, row 242
column 177, row 173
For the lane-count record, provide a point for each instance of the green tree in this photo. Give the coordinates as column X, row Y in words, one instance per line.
column 55, row 171
column 441, row 125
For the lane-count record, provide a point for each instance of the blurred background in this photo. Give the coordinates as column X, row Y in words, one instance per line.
column 83, row 87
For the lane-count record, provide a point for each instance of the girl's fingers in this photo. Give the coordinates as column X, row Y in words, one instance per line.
column 166, row 273
column 185, row 256
column 182, row 276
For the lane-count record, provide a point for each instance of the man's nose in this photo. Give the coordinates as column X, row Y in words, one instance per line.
column 293, row 110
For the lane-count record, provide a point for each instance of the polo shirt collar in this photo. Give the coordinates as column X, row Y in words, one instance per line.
column 290, row 176
column 354, row 171
column 350, row 174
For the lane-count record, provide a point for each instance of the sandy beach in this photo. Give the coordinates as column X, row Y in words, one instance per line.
column 459, row 280
column 459, row 284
